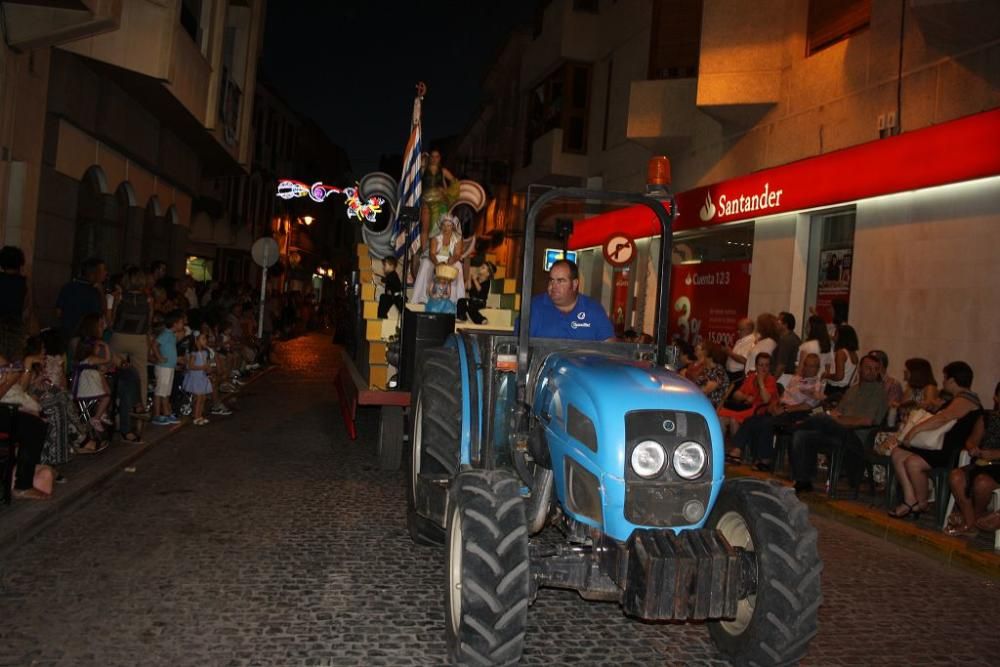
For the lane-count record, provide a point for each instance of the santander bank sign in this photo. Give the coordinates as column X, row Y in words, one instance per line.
column 729, row 204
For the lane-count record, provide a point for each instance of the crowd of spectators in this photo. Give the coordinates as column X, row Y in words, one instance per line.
column 124, row 350
column 825, row 398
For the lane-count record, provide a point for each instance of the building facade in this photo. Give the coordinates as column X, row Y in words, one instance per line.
column 127, row 122
column 833, row 157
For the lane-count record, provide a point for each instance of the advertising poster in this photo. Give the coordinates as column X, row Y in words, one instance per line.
column 834, row 284
column 619, row 301
column 707, row 299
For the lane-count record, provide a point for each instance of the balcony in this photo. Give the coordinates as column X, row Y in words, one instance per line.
column 41, row 23
column 550, row 165
column 742, row 55
column 195, row 75
column 564, row 34
column 662, row 113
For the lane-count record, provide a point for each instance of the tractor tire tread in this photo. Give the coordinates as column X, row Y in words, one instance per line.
column 495, row 589
column 788, row 587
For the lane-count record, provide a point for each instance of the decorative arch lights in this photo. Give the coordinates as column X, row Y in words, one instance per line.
column 318, row 192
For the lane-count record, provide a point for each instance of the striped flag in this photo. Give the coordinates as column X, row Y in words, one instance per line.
column 410, row 187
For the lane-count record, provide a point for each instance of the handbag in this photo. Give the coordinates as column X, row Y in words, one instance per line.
column 16, row 395
column 932, row 440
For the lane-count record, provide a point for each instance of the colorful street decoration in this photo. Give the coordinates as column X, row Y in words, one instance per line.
column 318, row 192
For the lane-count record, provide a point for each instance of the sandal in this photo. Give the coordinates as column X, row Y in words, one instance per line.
column 734, row 456
column 132, row 438
column 990, row 523
column 92, row 447
column 961, row 530
column 910, row 510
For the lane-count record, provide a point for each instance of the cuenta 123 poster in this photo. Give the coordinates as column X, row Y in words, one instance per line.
column 707, row 299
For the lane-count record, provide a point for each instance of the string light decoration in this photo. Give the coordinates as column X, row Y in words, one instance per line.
column 319, row 191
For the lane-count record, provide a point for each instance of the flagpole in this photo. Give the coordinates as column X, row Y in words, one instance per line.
column 405, row 226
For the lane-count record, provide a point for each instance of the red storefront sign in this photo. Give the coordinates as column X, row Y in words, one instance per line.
column 619, row 301
column 960, row 150
column 707, row 299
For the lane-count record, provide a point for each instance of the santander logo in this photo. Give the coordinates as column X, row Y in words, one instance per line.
column 707, row 211
column 743, row 203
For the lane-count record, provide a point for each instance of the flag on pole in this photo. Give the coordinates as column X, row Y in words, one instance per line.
column 410, row 186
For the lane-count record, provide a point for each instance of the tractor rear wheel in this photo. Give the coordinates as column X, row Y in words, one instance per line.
column 776, row 618
column 435, row 435
column 488, row 569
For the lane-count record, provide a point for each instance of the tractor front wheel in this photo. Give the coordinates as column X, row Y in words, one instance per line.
column 776, row 617
column 488, row 569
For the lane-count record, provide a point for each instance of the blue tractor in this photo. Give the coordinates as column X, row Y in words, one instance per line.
column 514, row 439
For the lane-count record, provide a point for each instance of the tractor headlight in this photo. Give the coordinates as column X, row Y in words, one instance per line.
column 690, row 459
column 648, row 458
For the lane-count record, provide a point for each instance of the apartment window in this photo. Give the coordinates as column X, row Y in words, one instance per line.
column 831, row 21
column 191, row 18
column 561, row 101
column 675, row 40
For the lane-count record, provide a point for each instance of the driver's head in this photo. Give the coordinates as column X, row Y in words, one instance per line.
column 564, row 283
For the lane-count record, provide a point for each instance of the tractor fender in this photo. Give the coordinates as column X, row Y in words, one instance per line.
column 471, row 397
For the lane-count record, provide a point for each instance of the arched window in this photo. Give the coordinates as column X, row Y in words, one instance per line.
column 99, row 229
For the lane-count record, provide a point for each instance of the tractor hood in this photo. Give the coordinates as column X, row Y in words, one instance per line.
column 619, row 385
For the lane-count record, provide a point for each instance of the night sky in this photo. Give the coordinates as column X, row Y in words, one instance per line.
column 352, row 67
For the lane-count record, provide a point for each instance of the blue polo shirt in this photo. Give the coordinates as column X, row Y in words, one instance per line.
column 587, row 321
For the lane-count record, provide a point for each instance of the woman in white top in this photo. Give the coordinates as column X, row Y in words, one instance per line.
column 446, row 248
column 767, row 339
column 845, row 361
column 817, row 342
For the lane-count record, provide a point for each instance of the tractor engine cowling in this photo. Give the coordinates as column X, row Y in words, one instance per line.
column 631, row 445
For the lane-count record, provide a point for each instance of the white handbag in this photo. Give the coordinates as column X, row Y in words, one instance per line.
column 932, row 440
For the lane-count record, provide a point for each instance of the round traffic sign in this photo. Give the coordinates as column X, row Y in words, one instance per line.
column 265, row 251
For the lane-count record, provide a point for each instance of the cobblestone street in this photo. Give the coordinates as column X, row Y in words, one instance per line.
column 268, row 538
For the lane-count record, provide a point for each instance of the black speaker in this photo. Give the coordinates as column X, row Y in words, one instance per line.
column 421, row 331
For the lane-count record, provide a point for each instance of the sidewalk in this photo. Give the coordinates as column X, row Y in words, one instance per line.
column 868, row 514
column 23, row 519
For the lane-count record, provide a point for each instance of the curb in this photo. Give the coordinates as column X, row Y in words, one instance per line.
column 953, row 551
column 20, row 522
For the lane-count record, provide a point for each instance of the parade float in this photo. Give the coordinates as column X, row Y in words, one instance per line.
column 398, row 219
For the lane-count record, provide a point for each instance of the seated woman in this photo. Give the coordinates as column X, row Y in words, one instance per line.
column 919, row 389
column 32, row 481
column 802, row 395
column 912, row 464
column 445, row 249
column 712, row 377
column 973, row 485
column 845, row 362
column 758, row 390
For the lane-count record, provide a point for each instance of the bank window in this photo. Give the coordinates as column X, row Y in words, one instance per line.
column 831, row 21
column 675, row 40
column 724, row 244
column 831, row 264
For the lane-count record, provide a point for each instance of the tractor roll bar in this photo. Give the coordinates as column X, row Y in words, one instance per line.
column 654, row 202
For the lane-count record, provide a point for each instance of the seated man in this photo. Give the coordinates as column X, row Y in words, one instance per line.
column 863, row 405
column 803, row 394
column 562, row 312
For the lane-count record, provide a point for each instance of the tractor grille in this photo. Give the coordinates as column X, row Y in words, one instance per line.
column 659, row 502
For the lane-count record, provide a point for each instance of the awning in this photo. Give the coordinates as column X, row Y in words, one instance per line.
column 959, row 150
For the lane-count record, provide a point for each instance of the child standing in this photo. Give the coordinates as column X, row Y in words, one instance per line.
column 165, row 356
column 393, row 295
column 196, row 380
